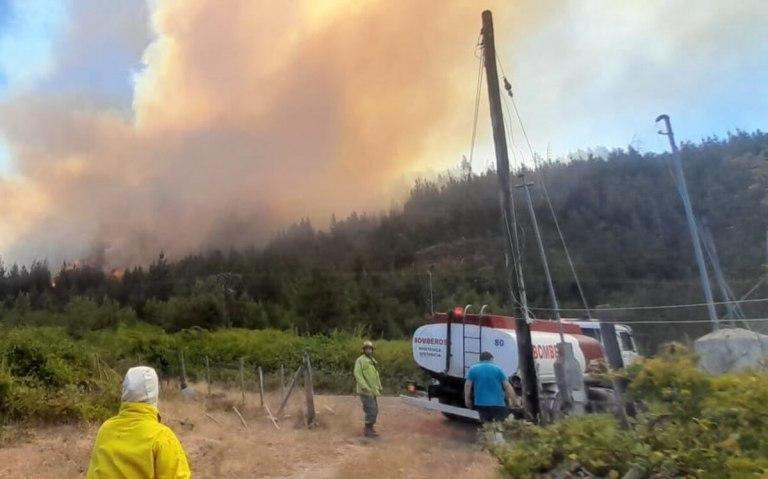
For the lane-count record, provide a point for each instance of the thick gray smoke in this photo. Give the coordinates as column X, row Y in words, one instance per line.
column 251, row 114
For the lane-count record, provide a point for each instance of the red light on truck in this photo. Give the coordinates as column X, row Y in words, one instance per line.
column 458, row 311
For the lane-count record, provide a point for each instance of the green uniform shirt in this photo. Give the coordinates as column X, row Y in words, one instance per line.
column 367, row 376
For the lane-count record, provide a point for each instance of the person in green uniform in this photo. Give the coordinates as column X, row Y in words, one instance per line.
column 368, row 387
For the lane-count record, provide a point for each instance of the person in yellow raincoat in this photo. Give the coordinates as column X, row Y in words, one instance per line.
column 134, row 444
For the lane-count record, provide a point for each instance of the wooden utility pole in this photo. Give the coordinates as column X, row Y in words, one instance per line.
column 526, row 366
column 612, row 353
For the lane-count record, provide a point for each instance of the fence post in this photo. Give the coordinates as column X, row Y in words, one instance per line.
column 98, row 365
column 282, row 380
column 261, row 387
column 242, row 379
column 208, row 374
column 183, row 370
column 290, row 390
column 309, row 391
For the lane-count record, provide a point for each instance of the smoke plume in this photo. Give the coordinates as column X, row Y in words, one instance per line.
column 246, row 115
column 249, row 114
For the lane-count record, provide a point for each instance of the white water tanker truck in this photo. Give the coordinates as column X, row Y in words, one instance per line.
column 451, row 343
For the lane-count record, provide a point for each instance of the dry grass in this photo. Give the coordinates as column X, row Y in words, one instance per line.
column 414, row 443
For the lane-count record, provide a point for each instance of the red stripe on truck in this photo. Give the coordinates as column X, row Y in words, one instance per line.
column 590, row 347
column 507, row 322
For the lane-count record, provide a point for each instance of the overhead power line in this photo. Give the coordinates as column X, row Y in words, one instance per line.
column 663, row 306
column 678, row 321
column 540, row 175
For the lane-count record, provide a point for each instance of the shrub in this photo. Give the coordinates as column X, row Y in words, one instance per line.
column 49, row 375
column 693, row 425
column 46, row 376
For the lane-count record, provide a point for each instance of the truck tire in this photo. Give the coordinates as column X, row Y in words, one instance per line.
column 600, row 399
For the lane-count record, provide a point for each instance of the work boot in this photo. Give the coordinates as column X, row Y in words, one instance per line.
column 370, row 432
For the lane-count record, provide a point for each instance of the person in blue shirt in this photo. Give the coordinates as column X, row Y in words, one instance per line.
column 493, row 394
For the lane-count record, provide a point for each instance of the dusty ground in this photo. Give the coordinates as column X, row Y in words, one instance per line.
column 414, row 443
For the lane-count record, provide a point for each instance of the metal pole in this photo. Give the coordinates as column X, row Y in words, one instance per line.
column 568, row 375
column 734, row 309
column 692, row 229
column 542, row 251
column 464, row 339
column 526, row 366
column 261, row 386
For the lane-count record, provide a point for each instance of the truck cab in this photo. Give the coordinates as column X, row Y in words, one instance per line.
column 624, row 336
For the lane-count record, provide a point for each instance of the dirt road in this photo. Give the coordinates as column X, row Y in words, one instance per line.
column 414, row 444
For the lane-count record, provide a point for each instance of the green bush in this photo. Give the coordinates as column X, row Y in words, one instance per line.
column 55, row 374
column 693, row 425
column 45, row 375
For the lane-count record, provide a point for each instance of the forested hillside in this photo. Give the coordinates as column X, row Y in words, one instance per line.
column 620, row 215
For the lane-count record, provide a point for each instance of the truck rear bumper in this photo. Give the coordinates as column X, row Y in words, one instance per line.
column 435, row 405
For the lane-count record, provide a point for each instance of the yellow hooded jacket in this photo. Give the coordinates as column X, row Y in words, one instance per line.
column 135, row 445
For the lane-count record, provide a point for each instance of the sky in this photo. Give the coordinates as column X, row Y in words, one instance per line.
column 129, row 127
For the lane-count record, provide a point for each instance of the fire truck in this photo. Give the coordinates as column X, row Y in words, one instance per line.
column 450, row 343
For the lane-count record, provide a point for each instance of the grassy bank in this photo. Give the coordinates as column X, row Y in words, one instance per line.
column 47, row 374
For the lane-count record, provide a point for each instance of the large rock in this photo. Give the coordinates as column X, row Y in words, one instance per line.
column 731, row 349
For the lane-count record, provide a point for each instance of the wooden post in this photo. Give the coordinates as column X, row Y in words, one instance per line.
column 242, row 379
column 98, row 365
column 261, row 386
column 309, row 391
column 614, row 360
column 526, row 363
column 208, row 374
column 213, row 419
column 290, row 390
column 282, row 380
column 271, row 417
column 183, row 370
column 242, row 419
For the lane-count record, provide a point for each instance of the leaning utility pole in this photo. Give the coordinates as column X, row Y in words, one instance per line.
column 568, row 373
column 526, row 366
column 692, row 228
column 542, row 252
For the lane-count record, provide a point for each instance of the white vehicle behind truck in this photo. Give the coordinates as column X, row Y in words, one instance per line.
column 624, row 335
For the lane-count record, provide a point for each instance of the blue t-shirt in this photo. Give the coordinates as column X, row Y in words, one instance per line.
column 487, row 381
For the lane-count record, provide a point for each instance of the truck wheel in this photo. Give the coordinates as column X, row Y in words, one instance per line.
column 600, row 399
column 552, row 408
